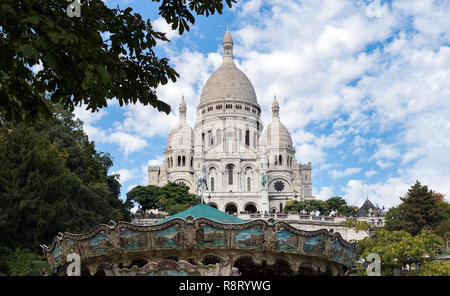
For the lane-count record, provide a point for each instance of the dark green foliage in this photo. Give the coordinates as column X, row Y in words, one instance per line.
column 419, row 210
column 79, row 65
column 392, row 219
column 337, row 204
column 171, row 198
column 399, row 248
column 53, row 180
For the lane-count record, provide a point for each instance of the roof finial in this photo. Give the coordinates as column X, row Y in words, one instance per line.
column 275, row 107
column 182, row 108
column 227, row 45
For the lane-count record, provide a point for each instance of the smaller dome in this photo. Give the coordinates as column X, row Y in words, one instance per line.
column 276, row 136
column 181, row 137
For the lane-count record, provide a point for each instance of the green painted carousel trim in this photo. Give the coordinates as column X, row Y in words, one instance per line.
column 204, row 211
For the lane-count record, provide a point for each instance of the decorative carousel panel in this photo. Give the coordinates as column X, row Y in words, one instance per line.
column 286, row 240
column 58, row 256
column 169, row 237
column 100, row 243
column 315, row 244
column 252, row 237
column 133, row 240
column 207, row 236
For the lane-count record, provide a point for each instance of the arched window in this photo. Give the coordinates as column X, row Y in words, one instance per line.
column 230, row 174
column 249, row 184
column 247, row 137
column 212, row 184
column 251, row 208
column 171, row 162
column 203, row 139
column 281, row 207
column 276, row 160
column 168, row 162
column 231, row 209
column 192, row 161
column 281, row 160
column 179, row 161
column 184, row 160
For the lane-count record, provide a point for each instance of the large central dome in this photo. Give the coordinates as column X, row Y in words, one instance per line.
column 228, row 82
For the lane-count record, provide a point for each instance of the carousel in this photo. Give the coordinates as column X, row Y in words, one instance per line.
column 202, row 241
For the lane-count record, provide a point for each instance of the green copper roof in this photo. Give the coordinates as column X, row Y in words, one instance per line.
column 205, row 211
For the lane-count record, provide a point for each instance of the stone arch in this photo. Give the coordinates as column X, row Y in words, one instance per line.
column 182, row 180
column 250, row 205
column 230, row 207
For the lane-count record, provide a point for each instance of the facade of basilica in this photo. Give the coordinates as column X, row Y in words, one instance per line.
column 246, row 167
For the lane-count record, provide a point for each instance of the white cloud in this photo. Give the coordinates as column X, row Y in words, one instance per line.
column 324, row 193
column 128, row 143
column 125, row 175
column 370, row 173
column 384, row 194
column 161, row 25
column 347, row 172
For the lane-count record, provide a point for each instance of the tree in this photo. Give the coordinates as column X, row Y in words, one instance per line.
column 53, row 180
column 358, row 225
column 172, row 197
column 336, row 203
column 103, row 54
column 433, row 268
column 21, row 262
column 397, row 249
column 392, row 219
column 419, row 209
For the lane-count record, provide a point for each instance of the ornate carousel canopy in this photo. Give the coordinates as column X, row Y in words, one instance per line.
column 203, row 241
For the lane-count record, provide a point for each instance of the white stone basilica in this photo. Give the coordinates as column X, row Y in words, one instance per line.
column 247, row 167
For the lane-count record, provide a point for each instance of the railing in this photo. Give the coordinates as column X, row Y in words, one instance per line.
column 376, row 221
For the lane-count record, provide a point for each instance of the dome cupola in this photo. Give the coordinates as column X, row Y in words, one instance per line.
column 228, row 83
column 182, row 135
column 276, row 134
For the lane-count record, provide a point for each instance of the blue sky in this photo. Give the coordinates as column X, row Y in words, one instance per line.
column 363, row 86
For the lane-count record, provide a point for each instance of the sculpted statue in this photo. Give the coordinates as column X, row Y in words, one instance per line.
column 201, row 182
column 263, row 180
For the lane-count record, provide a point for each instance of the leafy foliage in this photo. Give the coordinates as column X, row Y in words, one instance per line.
column 433, row 268
column 104, row 54
column 421, row 209
column 21, row 262
column 358, row 225
column 398, row 248
column 172, row 197
column 337, row 204
column 53, row 180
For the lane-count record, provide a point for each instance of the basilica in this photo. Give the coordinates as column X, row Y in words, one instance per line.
column 245, row 167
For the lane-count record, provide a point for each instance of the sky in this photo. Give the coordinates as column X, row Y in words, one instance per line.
column 363, row 87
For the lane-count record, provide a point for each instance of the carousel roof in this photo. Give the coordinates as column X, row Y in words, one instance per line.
column 205, row 211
